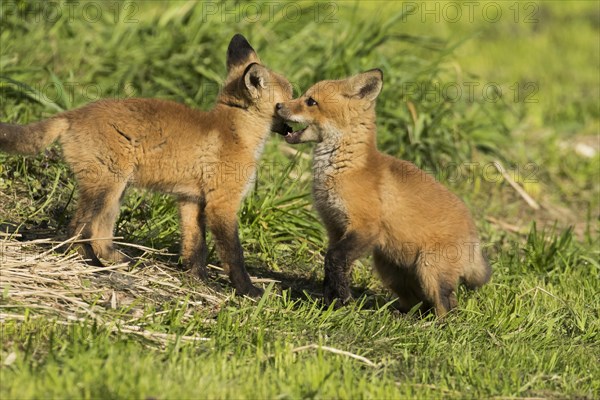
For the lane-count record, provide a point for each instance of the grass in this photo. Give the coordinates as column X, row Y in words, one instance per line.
column 532, row 332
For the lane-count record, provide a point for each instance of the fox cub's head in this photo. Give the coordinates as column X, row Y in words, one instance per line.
column 250, row 85
column 330, row 110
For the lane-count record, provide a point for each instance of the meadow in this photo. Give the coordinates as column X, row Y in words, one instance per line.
column 499, row 100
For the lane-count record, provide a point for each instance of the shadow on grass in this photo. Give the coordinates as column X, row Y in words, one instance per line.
column 311, row 288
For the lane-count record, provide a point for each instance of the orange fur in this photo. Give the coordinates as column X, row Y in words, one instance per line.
column 422, row 236
column 166, row 146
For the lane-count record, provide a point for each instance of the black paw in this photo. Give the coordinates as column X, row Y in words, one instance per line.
column 250, row 291
column 337, row 295
column 199, row 272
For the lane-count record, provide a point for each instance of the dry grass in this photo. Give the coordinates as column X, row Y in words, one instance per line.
column 37, row 282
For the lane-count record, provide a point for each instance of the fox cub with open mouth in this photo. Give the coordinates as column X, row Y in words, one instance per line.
column 423, row 238
column 166, row 146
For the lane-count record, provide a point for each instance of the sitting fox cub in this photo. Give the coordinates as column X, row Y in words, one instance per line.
column 166, row 146
column 422, row 236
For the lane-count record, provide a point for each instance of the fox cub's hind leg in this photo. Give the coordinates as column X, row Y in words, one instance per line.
column 420, row 282
column 193, row 237
column 97, row 212
column 402, row 280
column 438, row 284
column 338, row 263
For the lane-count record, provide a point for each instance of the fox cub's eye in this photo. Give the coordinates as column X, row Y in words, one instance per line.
column 311, row 102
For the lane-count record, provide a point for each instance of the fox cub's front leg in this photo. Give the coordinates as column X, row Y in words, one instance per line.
column 222, row 222
column 338, row 263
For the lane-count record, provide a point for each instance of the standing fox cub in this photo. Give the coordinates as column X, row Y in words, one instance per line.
column 166, row 146
column 422, row 236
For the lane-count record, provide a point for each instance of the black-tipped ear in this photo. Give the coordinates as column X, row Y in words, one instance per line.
column 366, row 85
column 255, row 79
column 373, row 84
column 239, row 51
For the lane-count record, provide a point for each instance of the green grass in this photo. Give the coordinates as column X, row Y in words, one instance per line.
column 532, row 332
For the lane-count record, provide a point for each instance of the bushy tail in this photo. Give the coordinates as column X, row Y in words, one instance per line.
column 32, row 138
column 477, row 273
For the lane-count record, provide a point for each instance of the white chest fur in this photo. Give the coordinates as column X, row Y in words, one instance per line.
column 326, row 174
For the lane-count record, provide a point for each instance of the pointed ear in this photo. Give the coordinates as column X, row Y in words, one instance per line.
column 240, row 52
column 255, row 79
column 366, row 85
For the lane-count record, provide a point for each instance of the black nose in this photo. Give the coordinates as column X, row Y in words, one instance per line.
column 279, row 106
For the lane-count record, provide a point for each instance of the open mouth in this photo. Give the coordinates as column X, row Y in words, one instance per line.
column 292, row 135
column 282, row 128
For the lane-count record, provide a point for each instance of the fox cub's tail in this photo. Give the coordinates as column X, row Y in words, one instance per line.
column 32, row 138
column 477, row 273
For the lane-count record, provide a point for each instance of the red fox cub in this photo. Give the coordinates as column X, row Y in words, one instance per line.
column 422, row 236
column 166, row 146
